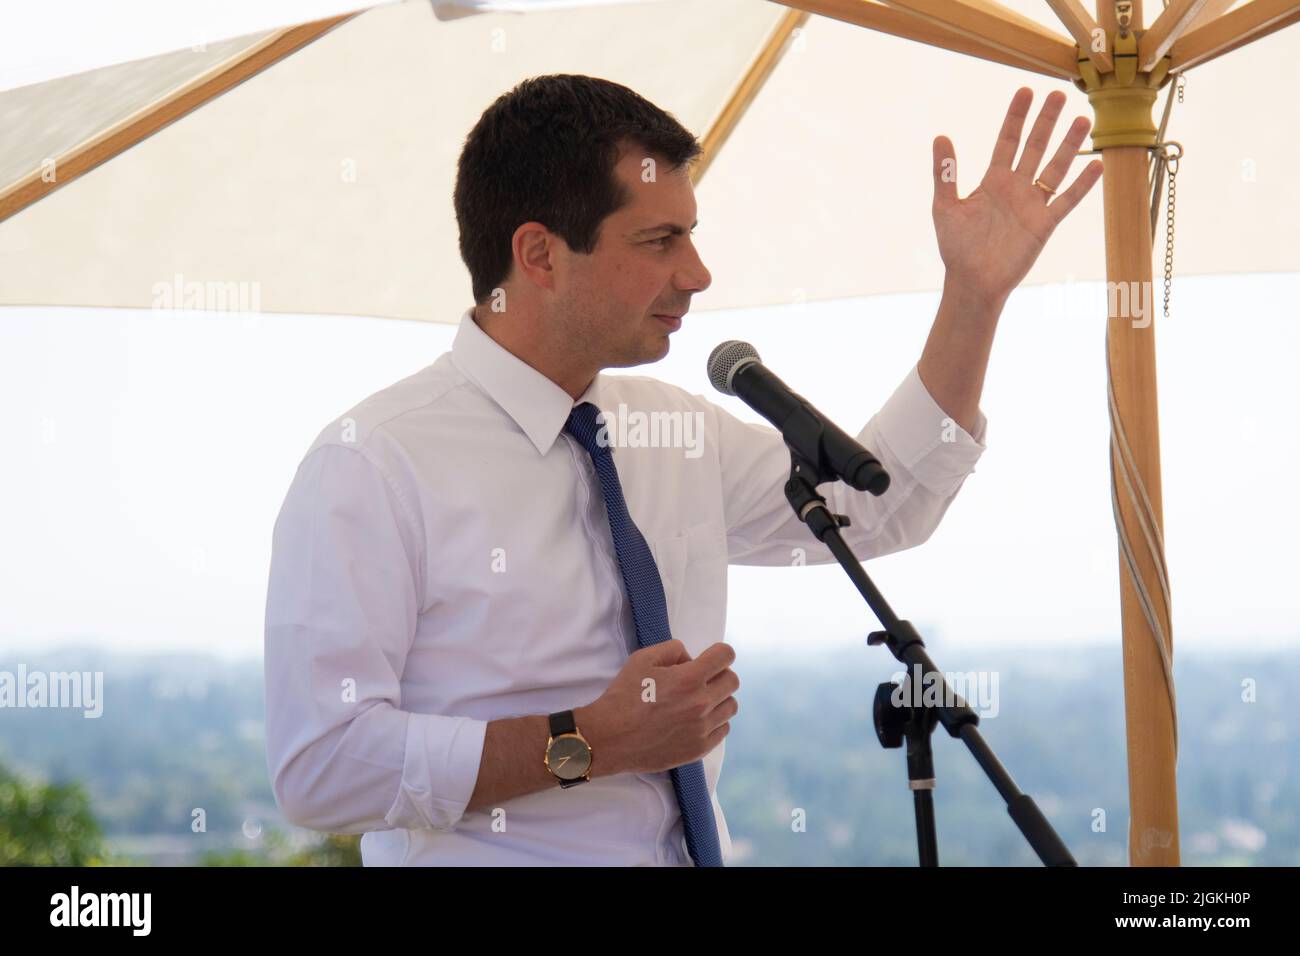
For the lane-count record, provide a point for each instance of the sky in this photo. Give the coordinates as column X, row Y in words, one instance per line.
column 152, row 451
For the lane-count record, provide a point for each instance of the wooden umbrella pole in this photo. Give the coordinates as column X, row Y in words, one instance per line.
column 1124, row 131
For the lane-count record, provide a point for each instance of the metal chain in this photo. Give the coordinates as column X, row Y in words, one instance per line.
column 1164, row 159
column 1171, row 165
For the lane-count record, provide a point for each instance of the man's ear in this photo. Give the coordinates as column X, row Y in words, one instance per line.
column 534, row 249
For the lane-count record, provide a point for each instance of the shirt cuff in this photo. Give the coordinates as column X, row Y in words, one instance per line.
column 439, row 771
column 937, row 451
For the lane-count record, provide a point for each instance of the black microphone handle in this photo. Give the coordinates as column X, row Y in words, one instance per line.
column 860, row 468
column 828, row 447
column 766, row 394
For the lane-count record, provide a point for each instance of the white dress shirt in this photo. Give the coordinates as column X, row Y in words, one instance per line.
column 443, row 558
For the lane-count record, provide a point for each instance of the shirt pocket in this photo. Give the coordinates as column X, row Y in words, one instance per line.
column 693, row 567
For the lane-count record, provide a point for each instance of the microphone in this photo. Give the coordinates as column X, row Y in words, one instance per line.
column 735, row 369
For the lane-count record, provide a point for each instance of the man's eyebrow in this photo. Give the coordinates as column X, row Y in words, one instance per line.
column 670, row 227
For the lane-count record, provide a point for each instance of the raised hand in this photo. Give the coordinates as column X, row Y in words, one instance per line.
column 990, row 240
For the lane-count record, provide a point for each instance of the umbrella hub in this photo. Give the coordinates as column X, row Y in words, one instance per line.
column 1122, row 99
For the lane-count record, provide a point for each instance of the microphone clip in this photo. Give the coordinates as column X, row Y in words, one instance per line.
column 808, row 505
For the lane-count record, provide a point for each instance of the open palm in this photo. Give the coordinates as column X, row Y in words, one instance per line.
column 991, row 239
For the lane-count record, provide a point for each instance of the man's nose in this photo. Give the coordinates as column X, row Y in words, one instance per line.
column 694, row 277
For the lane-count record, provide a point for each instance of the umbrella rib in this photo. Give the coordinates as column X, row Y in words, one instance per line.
column 910, row 26
column 1173, row 21
column 757, row 74
column 1246, row 24
column 995, row 25
column 1081, row 25
column 109, row 143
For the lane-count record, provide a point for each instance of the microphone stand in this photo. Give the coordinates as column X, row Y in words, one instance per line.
column 915, row 719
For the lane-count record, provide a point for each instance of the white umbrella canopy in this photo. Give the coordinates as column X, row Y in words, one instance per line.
column 64, row 37
column 824, row 189
column 324, row 183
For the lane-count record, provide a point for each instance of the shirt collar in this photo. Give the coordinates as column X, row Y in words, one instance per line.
column 538, row 406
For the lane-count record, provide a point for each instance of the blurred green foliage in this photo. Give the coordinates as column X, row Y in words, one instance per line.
column 51, row 824
column 333, row 849
column 47, row 824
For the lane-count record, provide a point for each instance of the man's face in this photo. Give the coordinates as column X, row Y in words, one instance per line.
column 644, row 264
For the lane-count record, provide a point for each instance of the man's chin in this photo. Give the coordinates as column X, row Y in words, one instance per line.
column 660, row 349
column 652, row 351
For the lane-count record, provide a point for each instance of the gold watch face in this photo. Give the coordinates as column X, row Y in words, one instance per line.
column 568, row 757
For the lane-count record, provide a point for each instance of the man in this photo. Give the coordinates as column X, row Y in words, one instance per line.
column 494, row 629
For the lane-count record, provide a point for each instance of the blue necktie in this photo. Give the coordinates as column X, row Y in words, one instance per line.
column 650, row 612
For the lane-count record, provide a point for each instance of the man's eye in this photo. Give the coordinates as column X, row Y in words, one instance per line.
column 664, row 240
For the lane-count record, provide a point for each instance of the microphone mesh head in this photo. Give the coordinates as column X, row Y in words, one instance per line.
column 724, row 360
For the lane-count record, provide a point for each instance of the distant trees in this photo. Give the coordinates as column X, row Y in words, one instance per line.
column 47, row 824
column 51, row 824
column 333, row 849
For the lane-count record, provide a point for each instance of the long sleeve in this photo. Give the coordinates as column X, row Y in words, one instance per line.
column 928, row 457
column 343, row 598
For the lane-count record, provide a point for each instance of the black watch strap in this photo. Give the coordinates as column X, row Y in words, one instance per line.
column 562, row 723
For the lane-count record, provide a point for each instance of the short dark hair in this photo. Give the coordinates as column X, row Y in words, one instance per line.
column 545, row 152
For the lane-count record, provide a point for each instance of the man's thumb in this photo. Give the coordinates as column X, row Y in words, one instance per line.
column 945, row 170
column 665, row 653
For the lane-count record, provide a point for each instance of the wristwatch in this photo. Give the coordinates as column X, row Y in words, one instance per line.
column 568, row 755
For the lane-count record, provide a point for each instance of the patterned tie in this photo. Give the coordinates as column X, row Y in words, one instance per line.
column 650, row 612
